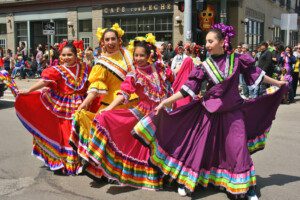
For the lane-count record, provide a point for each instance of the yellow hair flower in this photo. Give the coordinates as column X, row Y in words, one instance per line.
column 116, row 27
column 150, row 38
column 140, row 38
column 100, row 32
column 130, row 46
column 119, row 30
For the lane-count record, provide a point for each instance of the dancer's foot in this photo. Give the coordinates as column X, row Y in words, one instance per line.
column 252, row 195
column 182, row 191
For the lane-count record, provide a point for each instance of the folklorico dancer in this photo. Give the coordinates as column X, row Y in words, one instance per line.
column 47, row 114
column 111, row 147
column 105, row 80
column 209, row 141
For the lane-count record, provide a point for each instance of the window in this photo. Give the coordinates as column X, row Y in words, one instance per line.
column 85, row 25
column 21, row 30
column 276, row 33
column 282, row 3
column 253, row 33
column 3, row 43
column 288, row 4
column 86, row 42
column 3, row 29
column 61, row 30
column 160, row 25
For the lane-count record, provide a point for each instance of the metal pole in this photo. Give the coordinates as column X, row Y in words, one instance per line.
column 187, row 20
column 287, row 37
column 223, row 14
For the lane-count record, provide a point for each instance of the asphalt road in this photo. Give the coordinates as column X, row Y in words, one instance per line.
column 23, row 177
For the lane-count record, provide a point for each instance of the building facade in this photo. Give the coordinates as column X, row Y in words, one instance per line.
column 24, row 21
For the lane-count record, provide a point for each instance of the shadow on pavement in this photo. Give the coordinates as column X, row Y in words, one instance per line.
column 115, row 190
column 6, row 104
column 274, row 179
column 202, row 192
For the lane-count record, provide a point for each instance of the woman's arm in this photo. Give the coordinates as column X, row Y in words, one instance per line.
column 168, row 102
column 40, row 84
column 117, row 101
column 88, row 100
column 272, row 81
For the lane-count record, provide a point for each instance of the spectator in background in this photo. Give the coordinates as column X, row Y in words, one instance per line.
column 23, row 51
column 295, row 74
column 265, row 62
column 239, row 48
column 177, row 60
column 19, row 66
column 276, row 54
column 39, row 56
column 1, row 58
column 287, row 59
column 88, row 56
column 8, row 60
column 288, row 78
column 271, row 46
column 169, row 53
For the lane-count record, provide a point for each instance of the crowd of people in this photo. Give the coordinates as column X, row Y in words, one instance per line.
column 278, row 61
column 23, row 65
column 147, row 116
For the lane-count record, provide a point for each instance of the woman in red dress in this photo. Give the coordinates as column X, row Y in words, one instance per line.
column 47, row 114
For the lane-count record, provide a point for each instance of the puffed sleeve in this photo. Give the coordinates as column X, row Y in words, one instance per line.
column 52, row 76
column 192, row 86
column 97, row 80
column 252, row 75
column 128, row 86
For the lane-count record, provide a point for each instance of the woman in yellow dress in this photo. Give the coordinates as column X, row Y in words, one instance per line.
column 105, row 80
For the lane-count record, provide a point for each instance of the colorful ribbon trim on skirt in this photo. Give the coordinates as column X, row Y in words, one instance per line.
column 232, row 182
column 117, row 166
column 258, row 143
column 52, row 154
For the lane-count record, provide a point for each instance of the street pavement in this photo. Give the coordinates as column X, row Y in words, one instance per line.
column 23, row 177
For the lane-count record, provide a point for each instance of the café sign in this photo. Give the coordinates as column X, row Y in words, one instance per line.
column 140, row 8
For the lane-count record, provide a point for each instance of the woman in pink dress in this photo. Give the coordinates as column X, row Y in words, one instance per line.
column 47, row 114
column 112, row 149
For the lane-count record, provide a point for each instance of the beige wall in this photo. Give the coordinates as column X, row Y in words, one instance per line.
column 97, row 22
column 10, row 26
column 72, row 31
column 177, row 27
column 268, row 8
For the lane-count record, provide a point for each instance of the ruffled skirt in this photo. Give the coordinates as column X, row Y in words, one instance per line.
column 193, row 146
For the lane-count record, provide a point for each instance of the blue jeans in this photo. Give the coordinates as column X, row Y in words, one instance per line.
column 15, row 71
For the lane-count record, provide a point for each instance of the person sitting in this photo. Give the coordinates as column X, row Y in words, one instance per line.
column 19, row 66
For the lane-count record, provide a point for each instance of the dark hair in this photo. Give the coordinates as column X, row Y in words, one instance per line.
column 291, row 49
column 218, row 33
column 71, row 46
column 148, row 48
column 264, row 44
column 110, row 30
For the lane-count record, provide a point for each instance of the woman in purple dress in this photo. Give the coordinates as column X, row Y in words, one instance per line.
column 209, row 141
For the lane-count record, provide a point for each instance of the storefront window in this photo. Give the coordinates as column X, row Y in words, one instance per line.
column 21, row 30
column 3, row 29
column 3, row 43
column 160, row 25
column 85, row 25
column 253, row 33
column 61, row 30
